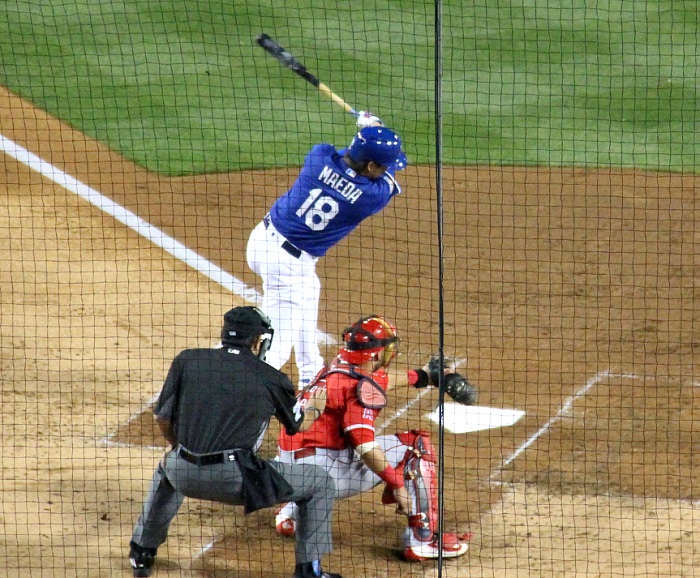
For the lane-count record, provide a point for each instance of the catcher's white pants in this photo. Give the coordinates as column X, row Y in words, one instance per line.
column 347, row 469
column 291, row 294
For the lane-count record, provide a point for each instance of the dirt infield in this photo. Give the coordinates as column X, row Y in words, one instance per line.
column 572, row 294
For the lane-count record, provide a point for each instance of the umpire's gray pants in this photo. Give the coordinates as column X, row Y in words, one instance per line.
column 175, row 478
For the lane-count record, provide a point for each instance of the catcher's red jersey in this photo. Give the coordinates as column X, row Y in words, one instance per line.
column 345, row 422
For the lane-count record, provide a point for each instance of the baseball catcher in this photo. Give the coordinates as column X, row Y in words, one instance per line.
column 342, row 440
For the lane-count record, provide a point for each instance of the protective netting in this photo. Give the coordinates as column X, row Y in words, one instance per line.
column 544, row 241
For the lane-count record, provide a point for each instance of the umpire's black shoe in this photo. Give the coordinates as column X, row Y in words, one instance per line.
column 307, row 571
column 142, row 560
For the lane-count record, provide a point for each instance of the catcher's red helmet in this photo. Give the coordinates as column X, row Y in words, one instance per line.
column 367, row 338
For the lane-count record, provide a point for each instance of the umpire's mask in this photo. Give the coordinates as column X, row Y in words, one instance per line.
column 242, row 323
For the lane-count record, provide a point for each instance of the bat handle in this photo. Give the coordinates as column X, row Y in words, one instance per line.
column 335, row 98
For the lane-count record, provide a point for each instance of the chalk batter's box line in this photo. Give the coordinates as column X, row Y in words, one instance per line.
column 563, row 411
column 109, row 439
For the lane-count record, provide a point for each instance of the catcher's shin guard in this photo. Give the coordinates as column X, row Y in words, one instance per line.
column 420, row 479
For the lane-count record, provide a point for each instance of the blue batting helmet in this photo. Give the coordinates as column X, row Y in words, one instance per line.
column 378, row 144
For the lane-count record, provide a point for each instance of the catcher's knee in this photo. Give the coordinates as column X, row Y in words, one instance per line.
column 418, row 448
column 419, row 444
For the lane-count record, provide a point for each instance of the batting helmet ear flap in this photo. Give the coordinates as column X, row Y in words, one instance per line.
column 378, row 144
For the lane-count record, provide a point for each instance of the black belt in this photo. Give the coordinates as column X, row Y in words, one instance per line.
column 207, row 459
column 291, row 249
column 287, row 246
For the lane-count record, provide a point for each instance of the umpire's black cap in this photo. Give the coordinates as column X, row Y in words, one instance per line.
column 244, row 322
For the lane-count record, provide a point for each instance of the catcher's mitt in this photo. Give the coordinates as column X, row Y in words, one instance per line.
column 459, row 389
column 434, row 369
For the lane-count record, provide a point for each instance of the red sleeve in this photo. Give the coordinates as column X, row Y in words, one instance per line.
column 358, row 421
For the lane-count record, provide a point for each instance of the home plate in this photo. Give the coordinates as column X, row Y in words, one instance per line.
column 460, row 418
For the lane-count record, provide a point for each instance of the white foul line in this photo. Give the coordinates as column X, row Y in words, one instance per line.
column 126, row 217
column 136, row 223
column 142, row 227
column 204, row 549
column 597, row 378
column 403, row 410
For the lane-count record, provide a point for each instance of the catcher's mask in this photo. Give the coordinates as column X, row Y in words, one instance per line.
column 367, row 338
column 243, row 323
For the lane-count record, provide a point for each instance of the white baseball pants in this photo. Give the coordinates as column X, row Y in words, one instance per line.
column 291, row 294
column 347, row 469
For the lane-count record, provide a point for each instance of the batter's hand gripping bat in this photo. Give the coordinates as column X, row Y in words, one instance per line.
column 270, row 45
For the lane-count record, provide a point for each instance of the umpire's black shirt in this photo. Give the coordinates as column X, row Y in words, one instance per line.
column 221, row 399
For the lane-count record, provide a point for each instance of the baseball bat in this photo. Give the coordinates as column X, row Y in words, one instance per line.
column 271, row 46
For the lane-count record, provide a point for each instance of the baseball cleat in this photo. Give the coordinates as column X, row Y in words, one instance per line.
column 452, row 547
column 285, row 525
column 321, row 575
column 142, row 560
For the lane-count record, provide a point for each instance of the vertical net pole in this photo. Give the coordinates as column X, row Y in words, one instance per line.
column 441, row 317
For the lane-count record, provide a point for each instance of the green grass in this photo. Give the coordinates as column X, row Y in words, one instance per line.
column 181, row 87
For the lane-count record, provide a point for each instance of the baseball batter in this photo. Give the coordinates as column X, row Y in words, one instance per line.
column 343, row 442
column 335, row 191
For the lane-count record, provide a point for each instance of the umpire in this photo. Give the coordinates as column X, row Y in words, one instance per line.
column 214, row 409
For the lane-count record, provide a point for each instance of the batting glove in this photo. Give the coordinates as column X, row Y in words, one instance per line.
column 366, row 118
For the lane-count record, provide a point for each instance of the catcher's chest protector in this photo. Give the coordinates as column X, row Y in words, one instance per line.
column 369, row 393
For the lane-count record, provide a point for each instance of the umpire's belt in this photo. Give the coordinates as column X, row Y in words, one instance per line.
column 207, row 459
column 287, row 246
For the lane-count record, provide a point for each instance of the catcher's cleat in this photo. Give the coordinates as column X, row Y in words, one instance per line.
column 142, row 560
column 452, row 547
column 285, row 525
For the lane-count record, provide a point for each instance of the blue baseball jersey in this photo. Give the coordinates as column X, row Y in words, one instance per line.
column 328, row 200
